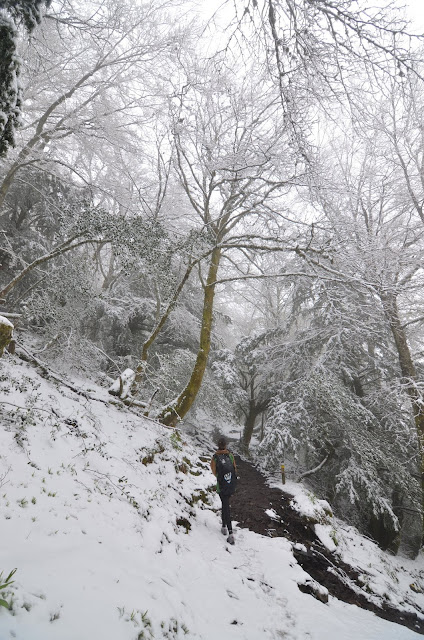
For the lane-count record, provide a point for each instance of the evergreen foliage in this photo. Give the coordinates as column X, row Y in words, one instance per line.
column 10, row 99
column 337, row 410
column 12, row 14
column 27, row 12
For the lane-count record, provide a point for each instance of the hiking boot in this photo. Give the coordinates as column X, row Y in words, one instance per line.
column 224, row 531
column 230, row 539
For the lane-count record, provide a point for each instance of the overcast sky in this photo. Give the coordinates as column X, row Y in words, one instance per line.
column 417, row 12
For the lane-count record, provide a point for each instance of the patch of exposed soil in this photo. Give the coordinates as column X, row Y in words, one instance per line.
column 248, row 506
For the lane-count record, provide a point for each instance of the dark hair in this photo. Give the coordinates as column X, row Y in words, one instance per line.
column 222, row 443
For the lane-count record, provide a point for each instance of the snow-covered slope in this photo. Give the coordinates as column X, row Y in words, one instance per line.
column 110, row 521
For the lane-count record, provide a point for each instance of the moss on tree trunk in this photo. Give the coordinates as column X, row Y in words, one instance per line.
column 170, row 415
column 6, row 331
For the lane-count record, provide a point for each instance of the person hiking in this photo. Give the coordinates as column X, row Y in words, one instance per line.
column 224, row 469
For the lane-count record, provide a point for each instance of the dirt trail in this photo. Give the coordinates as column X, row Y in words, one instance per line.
column 248, row 507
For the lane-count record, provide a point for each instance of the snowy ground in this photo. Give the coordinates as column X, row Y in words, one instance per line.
column 110, row 523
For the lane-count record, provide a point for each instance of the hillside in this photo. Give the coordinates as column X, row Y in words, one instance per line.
column 112, row 524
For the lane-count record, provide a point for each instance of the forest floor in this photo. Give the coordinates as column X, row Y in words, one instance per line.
column 249, row 506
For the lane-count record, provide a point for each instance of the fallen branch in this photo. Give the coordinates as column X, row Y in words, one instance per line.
column 49, row 344
column 51, row 374
column 315, row 469
column 68, row 245
column 29, row 357
column 130, row 402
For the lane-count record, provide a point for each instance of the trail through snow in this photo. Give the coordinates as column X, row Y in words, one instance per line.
column 115, row 534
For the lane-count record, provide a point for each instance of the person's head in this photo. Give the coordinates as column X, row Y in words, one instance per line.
column 222, row 443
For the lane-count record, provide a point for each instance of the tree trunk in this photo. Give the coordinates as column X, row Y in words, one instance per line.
column 139, row 372
column 171, row 414
column 412, row 522
column 249, row 425
column 407, row 367
column 109, row 276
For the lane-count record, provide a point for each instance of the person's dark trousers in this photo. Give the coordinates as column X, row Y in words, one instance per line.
column 226, row 515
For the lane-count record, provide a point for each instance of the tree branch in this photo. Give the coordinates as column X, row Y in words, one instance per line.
column 315, row 469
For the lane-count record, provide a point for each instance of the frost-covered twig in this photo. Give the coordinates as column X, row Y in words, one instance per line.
column 27, row 408
column 150, row 402
column 68, row 245
column 3, row 477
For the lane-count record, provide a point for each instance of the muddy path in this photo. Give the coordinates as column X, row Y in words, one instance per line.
column 248, row 506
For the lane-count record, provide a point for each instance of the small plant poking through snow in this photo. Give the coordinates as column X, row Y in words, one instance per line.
column 4, row 585
column 171, row 630
column 138, row 618
column 149, row 457
column 176, row 440
column 333, row 536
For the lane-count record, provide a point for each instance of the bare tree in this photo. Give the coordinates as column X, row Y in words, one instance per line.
column 325, row 41
column 235, row 164
column 93, row 74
